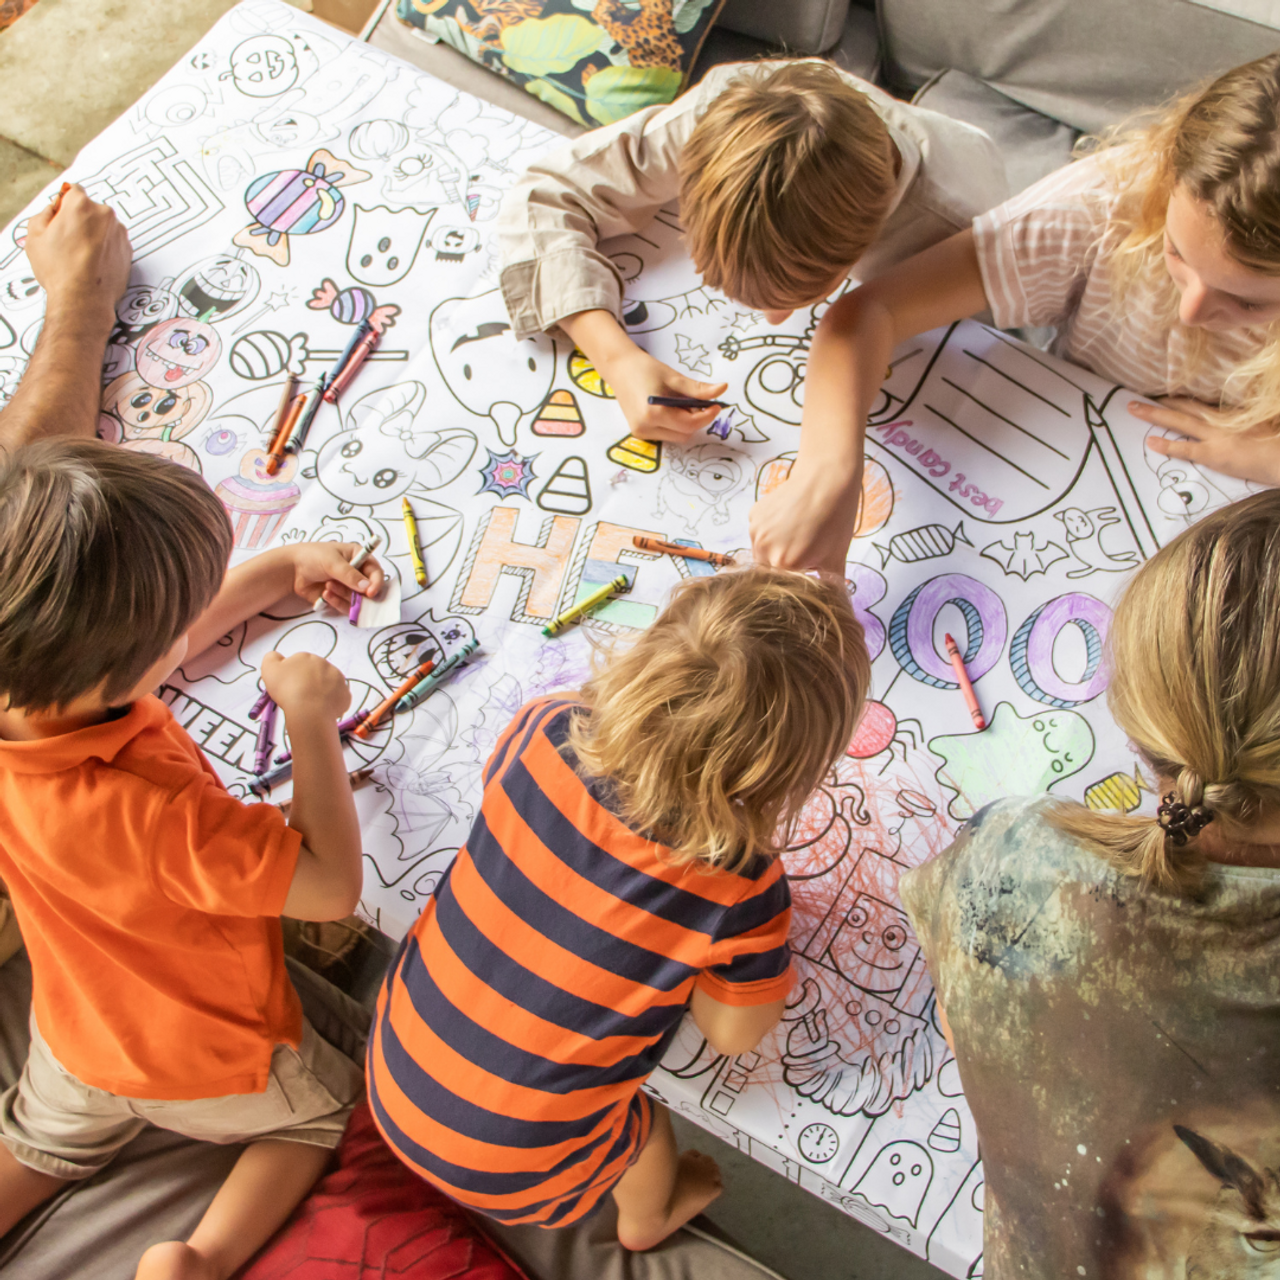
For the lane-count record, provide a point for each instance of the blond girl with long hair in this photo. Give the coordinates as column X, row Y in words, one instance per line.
column 1112, row 982
column 1155, row 255
column 624, row 866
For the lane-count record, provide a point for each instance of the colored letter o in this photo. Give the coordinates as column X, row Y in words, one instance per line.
column 1031, row 654
column 911, row 629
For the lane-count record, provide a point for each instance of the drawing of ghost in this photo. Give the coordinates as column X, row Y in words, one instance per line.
column 177, row 353
column 1014, row 755
column 142, row 410
column 222, row 661
column 256, row 501
column 699, row 481
column 1084, row 541
column 488, row 372
column 897, row 1180
column 385, row 242
column 216, row 287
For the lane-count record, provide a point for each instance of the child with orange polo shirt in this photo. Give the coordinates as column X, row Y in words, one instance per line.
column 623, row 869
column 149, row 897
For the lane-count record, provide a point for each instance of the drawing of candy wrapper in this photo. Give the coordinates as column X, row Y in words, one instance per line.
column 256, row 511
column 995, row 427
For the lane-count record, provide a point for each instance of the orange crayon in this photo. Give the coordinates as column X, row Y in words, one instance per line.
column 62, row 191
column 674, row 549
column 966, row 685
column 367, row 726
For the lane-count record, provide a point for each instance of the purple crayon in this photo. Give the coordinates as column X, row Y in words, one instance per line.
column 266, row 739
column 345, row 728
column 353, row 616
column 260, row 706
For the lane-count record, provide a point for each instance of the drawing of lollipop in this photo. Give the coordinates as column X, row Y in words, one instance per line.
column 295, row 202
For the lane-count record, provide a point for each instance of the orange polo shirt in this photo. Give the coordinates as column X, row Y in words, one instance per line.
column 149, row 900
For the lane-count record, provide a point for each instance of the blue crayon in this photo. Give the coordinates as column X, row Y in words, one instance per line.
column 432, row 682
column 263, row 783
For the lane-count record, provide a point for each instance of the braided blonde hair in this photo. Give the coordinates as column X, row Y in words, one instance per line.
column 1195, row 683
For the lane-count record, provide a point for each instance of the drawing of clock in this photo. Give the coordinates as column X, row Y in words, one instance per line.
column 818, row 1143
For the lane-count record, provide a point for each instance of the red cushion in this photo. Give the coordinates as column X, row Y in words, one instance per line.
column 373, row 1218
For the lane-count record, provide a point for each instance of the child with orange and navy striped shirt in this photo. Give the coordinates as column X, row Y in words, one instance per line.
column 623, row 869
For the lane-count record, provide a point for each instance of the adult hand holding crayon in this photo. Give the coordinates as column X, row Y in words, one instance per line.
column 80, row 254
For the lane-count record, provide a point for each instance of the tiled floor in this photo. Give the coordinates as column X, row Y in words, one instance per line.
column 67, row 69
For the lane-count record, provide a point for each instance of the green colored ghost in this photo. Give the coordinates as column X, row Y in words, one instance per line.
column 1012, row 756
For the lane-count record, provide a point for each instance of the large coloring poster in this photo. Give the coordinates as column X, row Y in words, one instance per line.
column 282, row 184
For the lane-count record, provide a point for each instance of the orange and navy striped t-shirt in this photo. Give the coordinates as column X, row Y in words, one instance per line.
column 545, row 980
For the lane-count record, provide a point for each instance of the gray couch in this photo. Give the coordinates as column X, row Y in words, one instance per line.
column 1034, row 74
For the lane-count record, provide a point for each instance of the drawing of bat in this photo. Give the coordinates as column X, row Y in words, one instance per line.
column 1024, row 558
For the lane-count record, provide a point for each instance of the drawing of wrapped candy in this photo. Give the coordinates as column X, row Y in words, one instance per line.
column 353, row 306
column 924, row 543
column 257, row 502
column 295, row 202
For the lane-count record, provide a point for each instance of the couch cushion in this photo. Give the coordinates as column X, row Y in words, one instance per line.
column 597, row 64
column 801, row 26
column 1088, row 62
column 1030, row 144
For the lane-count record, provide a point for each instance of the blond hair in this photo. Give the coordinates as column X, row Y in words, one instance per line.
column 785, row 181
column 106, row 558
column 1221, row 145
column 720, row 721
column 1195, row 683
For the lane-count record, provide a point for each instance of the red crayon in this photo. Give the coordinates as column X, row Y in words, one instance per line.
column 966, row 685
column 352, row 367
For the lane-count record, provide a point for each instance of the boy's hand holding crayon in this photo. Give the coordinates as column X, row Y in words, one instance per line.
column 635, row 375
column 334, row 570
column 305, row 686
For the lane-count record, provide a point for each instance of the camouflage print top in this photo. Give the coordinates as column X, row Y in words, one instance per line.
column 1119, row 1049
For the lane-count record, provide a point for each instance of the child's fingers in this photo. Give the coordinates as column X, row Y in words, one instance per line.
column 1186, row 450
column 682, row 386
column 1172, row 418
column 675, row 425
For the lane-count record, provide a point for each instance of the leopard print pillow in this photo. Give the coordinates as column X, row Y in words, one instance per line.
column 595, row 60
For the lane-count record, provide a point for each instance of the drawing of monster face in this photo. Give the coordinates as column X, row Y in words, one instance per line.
column 177, row 353
column 143, row 307
column 359, row 475
column 263, row 66
column 154, row 411
column 874, row 946
column 222, row 284
column 385, row 243
column 1183, row 491
column 487, row 371
column 717, row 475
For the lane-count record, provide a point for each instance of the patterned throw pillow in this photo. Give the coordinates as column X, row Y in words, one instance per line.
column 595, row 60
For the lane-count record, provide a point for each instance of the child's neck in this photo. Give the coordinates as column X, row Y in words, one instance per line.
column 17, row 725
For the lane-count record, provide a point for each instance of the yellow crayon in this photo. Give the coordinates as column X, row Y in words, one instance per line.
column 585, row 606
column 415, row 547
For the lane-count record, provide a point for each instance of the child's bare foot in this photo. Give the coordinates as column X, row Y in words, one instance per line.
column 697, row 1184
column 175, row 1261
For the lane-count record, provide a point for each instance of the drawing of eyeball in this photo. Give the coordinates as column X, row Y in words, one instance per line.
column 1182, row 493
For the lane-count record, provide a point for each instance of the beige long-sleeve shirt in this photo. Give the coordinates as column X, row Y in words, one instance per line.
column 612, row 181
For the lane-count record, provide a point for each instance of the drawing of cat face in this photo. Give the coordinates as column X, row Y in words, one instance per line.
column 359, row 475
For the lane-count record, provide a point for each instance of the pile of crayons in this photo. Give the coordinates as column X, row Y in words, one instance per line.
column 296, row 413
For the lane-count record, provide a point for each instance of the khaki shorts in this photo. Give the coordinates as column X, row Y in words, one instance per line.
column 55, row 1123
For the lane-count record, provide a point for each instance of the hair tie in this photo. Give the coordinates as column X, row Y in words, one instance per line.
column 1182, row 822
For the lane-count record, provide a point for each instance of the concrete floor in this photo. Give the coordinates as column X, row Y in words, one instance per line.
column 67, row 69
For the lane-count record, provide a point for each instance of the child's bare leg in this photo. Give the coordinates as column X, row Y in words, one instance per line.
column 22, row 1188
column 268, row 1182
column 663, row 1189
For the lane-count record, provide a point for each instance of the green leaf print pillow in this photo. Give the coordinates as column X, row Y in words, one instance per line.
column 595, row 60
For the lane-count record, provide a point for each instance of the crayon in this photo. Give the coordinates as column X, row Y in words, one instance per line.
column 260, row 706
column 966, row 686
column 362, row 328
column 298, row 436
column 277, row 450
column 264, row 781
column 674, row 549
column 358, row 559
column 686, row 402
column 428, row 686
column 361, row 353
column 266, row 738
column 584, row 606
column 376, row 715
column 62, row 191
column 415, row 547
column 286, row 403
column 353, row 614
